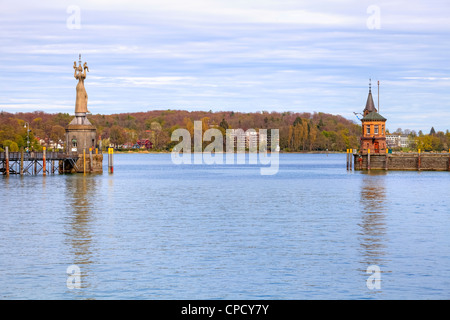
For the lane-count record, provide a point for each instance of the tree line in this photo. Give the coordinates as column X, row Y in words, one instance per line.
column 298, row 132
column 433, row 141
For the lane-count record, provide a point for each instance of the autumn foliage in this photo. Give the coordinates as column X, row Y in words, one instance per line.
column 297, row 131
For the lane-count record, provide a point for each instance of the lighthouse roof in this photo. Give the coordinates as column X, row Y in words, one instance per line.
column 373, row 116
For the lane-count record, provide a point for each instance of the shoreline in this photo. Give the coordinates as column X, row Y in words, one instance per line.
column 280, row 152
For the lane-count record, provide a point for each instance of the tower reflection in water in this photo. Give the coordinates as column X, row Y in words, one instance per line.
column 373, row 228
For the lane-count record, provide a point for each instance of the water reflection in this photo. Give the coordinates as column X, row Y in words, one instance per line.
column 373, row 219
column 79, row 227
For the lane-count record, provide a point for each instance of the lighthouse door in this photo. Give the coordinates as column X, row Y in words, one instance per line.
column 377, row 147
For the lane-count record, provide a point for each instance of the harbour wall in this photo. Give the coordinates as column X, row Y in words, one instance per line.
column 402, row 161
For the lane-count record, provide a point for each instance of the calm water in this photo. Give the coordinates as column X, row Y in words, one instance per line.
column 155, row 230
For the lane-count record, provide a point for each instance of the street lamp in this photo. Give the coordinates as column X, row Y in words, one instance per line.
column 28, row 134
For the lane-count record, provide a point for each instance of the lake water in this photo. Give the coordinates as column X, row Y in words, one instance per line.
column 156, row 230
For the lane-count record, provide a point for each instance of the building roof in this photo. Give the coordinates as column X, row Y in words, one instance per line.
column 370, row 106
column 373, row 116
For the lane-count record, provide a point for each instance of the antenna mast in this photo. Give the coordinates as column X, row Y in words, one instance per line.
column 378, row 96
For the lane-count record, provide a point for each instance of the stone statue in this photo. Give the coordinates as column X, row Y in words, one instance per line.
column 82, row 98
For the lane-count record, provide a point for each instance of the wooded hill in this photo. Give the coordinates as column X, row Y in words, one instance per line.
column 298, row 131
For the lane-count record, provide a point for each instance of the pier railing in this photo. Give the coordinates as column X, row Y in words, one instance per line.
column 36, row 162
column 36, row 156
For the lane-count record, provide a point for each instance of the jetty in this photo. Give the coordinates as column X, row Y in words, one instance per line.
column 34, row 163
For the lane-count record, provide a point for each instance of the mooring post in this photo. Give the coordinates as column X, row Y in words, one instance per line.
column 368, row 159
column 7, row 161
column 43, row 162
column 350, row 159
column 386, row 159
column 110, row 160
column 84, row 161
column 418, row 161
column 360, row 160
column 449, row 160
column 347, row 159
column 21, row 161
column 90, row 160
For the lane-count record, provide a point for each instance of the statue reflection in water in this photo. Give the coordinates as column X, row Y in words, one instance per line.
column 79, row 231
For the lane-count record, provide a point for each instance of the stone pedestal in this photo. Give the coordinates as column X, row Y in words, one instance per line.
column 84, row 164
column 81, row 136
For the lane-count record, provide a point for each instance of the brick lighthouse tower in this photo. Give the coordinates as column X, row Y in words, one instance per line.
column 373, row 124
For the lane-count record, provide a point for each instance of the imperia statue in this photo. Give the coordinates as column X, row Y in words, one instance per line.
column 82, row 98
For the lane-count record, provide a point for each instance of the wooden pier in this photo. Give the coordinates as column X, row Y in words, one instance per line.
column 34, row 163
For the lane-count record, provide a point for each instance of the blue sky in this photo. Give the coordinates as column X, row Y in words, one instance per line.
column 300, row 56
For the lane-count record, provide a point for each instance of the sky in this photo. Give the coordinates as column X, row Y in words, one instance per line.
column 247, row 56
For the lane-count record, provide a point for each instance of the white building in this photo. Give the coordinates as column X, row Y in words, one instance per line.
column 398, row 141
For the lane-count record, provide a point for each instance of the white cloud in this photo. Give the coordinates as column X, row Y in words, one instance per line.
column 248, row 55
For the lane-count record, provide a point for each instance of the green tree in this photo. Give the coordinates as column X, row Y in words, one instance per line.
column 58, row 133
column 12, row 146
column 116, row 135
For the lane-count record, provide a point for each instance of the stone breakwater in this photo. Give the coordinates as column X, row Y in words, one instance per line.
column 402, row 161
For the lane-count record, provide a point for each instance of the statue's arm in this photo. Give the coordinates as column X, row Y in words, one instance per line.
column 85, row 67
column 75, row 69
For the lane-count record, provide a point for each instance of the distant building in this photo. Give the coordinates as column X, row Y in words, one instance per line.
column 239, row 137
column 398, row 141
column 251, row 138
column 144, row 144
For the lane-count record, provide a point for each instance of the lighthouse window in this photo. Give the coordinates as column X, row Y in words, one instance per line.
column 375, row 130
column 367, row 129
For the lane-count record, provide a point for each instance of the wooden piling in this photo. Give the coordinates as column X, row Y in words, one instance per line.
column 347, row 159
column 84, row 161
column 351, row 159
column 43, row 162
column 386, row 160
column 7, row 161
column 21, row 161
column 368, row 159
column 418, row 161
column 110, row 160
column 90, row 160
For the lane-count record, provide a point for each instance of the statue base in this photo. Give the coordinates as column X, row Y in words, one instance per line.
column 85, row 163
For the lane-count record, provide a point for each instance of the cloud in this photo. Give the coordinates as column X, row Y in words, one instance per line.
column 247, row 55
